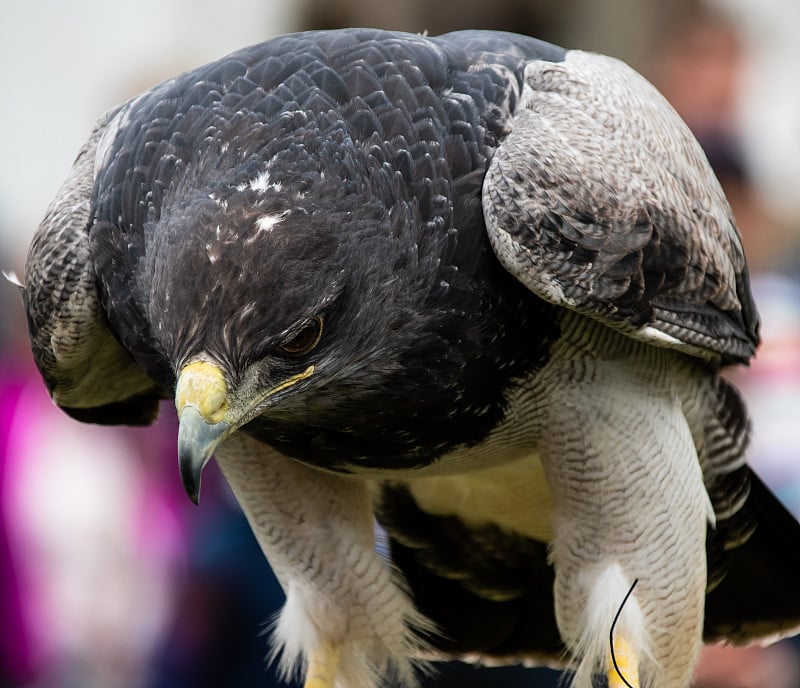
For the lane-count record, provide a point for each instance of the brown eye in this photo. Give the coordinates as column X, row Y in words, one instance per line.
column 304, row 341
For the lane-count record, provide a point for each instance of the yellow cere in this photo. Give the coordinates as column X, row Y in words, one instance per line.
column 202, row 385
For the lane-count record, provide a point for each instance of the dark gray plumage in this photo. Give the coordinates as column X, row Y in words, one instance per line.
column 477, row 286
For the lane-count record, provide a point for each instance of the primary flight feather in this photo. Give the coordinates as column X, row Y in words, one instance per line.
column 476, row 287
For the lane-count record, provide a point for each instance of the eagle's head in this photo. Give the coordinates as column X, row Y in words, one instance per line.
column 307, row 301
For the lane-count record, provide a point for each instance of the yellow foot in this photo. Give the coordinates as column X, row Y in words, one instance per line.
column 322, row 666
column 625, row 674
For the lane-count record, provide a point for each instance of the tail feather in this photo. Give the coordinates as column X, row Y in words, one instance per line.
column 488, row 592
column 759, row 595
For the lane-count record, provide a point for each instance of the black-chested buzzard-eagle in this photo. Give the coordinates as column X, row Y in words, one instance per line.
column 476, row 287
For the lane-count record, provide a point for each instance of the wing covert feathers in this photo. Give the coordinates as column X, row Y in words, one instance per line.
column 86, row 370
column 600, row 200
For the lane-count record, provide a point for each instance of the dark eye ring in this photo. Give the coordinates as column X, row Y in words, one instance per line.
column 304, row 341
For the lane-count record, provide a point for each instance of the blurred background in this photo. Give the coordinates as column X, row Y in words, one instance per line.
column 109, row 578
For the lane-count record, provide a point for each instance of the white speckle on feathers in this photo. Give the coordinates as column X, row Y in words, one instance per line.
column 260, row 184
column 267, row 222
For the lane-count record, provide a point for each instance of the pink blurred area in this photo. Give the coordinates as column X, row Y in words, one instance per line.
column 93, row 534
column 109, row 576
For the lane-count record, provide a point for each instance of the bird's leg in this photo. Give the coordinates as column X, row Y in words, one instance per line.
column 344, row 617
column 323, row 664
column 629, row 504
column 624, row 663
column 88, row 372
column 623, row 671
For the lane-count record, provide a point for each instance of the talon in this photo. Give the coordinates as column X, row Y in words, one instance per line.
column 322, row 666
column 623, row 671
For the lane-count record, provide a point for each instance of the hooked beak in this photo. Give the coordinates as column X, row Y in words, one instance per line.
column 201, row 400
column 197, row 441
column 201, row 397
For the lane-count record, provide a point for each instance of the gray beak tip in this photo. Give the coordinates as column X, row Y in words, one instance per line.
column 197, row 440
column 191, row 484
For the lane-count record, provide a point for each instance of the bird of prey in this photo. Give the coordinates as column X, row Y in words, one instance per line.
column 475, row 288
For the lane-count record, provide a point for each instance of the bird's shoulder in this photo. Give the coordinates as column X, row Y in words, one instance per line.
column 601, row 200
